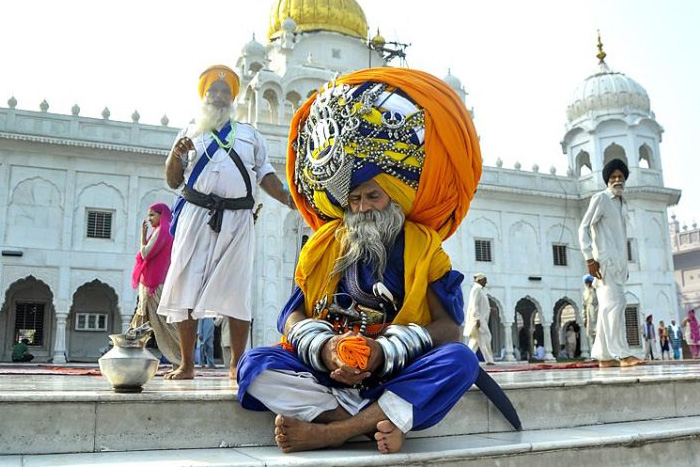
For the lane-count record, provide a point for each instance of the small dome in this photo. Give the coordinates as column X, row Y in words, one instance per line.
column 254, row 49
column 289, row 25
column 452, row 81
column 378, row 41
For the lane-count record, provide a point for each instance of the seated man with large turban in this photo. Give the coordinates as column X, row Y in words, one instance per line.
column 385, row 163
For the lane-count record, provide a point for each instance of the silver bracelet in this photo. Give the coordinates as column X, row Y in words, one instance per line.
column 308, row 337
column 401, row 345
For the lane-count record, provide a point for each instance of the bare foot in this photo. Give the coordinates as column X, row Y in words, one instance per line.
column 180, row 373
column 632, row 361
column 608, row 363
column 293, row 435
column 389, row 437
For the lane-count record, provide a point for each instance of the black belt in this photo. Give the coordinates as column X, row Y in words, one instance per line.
column 216, row 205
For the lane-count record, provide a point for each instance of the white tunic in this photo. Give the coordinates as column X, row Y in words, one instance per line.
column 479, row 310
column 603, row 237
column 210, row 273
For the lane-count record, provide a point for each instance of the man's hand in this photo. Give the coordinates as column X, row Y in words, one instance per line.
column 340, row 371
column 594, row 268
column 183, row 146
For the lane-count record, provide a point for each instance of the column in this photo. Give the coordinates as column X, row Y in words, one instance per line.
column 508, row 331
column 59, row 347
column 585, row 345
column 548, row 356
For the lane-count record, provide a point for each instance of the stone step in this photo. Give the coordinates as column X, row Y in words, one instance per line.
column 71, row 414
column 672, row 441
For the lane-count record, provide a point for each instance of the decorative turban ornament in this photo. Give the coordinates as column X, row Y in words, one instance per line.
column 406, row 129
column 218, row 73
column 613, row 165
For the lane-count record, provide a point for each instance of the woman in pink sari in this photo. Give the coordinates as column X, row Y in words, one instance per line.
column 691, row 332
column 152, row 262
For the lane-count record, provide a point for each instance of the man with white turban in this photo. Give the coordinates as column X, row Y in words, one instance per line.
column 476, row 327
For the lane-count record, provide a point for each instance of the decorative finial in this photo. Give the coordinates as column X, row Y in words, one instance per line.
column 75, row 110
column 553, row 170
column 44, row 106
column 165, row 120
column 499, row 162
column 601, row 55
column 106, row 113
column 135, row 116
column 535, row 168
column 518, row 165
column 12, row 102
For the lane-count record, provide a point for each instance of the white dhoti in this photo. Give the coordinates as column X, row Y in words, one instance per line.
column 482, row 341
column 611, row 333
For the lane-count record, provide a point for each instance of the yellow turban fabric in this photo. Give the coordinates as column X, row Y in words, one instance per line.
column 218, row 73
column 448, row 160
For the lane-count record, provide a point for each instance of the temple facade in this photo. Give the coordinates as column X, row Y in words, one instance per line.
column 74, row 190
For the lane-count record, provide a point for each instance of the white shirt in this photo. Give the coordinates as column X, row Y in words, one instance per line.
column 478, row 309
column 603, row 230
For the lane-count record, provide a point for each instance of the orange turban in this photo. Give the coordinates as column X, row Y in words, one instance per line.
column 432, row 173
column 218, row 73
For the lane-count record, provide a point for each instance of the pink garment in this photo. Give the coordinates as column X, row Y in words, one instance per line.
column 151, row 271
column 694, row 327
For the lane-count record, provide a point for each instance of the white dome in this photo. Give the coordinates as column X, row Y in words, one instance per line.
column 254, row 49
column 453, row 81
column 607, row 90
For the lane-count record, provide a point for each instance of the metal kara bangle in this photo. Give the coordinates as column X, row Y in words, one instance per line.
column 401, row 345
column 308, row 337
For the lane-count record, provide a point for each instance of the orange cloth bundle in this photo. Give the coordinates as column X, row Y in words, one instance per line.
column 354, row 351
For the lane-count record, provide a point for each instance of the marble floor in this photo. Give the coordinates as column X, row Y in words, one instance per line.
column 71, row 387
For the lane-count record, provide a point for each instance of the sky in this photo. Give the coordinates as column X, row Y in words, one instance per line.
column 520, row 62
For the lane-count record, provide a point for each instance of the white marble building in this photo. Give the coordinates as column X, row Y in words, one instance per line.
column 74, row 189
column 685, row 243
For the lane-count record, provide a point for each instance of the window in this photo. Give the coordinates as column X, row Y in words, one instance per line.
column 99, row 224
column 559, row 255
column 91, row 322
column 482, row 250
column 29, row 322
column 632, row 326
column 630, row 251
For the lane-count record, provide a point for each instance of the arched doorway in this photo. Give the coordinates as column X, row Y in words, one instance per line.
column 497, row 334
column 525, row 311
column 564, row 315
column 93, row 317
column 28, row 312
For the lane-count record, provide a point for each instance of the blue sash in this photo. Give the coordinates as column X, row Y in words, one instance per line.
column 201, row 163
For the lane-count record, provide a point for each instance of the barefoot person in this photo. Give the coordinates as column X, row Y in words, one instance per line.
column 476, row 327
column 385, row 163
column 150, row 269
column 218, row 160
column 603, row 239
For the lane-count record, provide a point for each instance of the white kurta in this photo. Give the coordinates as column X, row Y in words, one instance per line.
column 603, row 237
column 479, row 310
column 210, row 273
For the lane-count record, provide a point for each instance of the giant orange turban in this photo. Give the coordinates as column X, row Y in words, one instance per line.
column 406, row 129
column 218, row 73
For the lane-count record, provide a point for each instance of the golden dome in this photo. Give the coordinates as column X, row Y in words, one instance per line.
column 343, row 16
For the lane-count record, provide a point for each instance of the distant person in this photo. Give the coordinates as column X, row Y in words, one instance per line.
column 603, row 239
column 476, row 327
column 205, row 334
column 20, row 352
column 675, row 335
column 150, row 269
column 539, row 351
column 649, row 337
column 691, row 333
column 590, row 307
column 664, row 341
column 571, row 341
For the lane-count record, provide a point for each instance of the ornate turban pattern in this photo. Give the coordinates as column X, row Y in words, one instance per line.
column 218, row 73
column 406, row 129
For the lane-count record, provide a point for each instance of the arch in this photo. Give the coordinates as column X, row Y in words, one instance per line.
column 252, row 101
column 92, row 317
column 565, row 312
column 646, row 157
column 614, row 151
column 271, row 106
column 255, row 67
column 100, row 194
column 292, row 101
column 524, row 246
column 526, row 310
column 35, row 214
column 28, row 311
column 583, row 163
column 158, row 195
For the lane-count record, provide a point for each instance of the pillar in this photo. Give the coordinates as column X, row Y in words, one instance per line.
column 59, row 347
column 548, row 356
column 508, row 328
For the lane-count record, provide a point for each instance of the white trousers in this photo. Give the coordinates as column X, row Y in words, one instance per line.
column 483, row 342
column 301, row 396
column 611, row 334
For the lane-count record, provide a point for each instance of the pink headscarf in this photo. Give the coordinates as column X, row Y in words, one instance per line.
column 151, row 271
column 694, row 328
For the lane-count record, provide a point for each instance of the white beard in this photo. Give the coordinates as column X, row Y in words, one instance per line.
column 368, row 236
column 211, row 118
column 618, row 189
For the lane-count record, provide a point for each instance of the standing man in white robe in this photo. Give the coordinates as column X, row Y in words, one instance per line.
column 603, row 238
column 590, row 307
column 212, row 257
column 476, row 328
